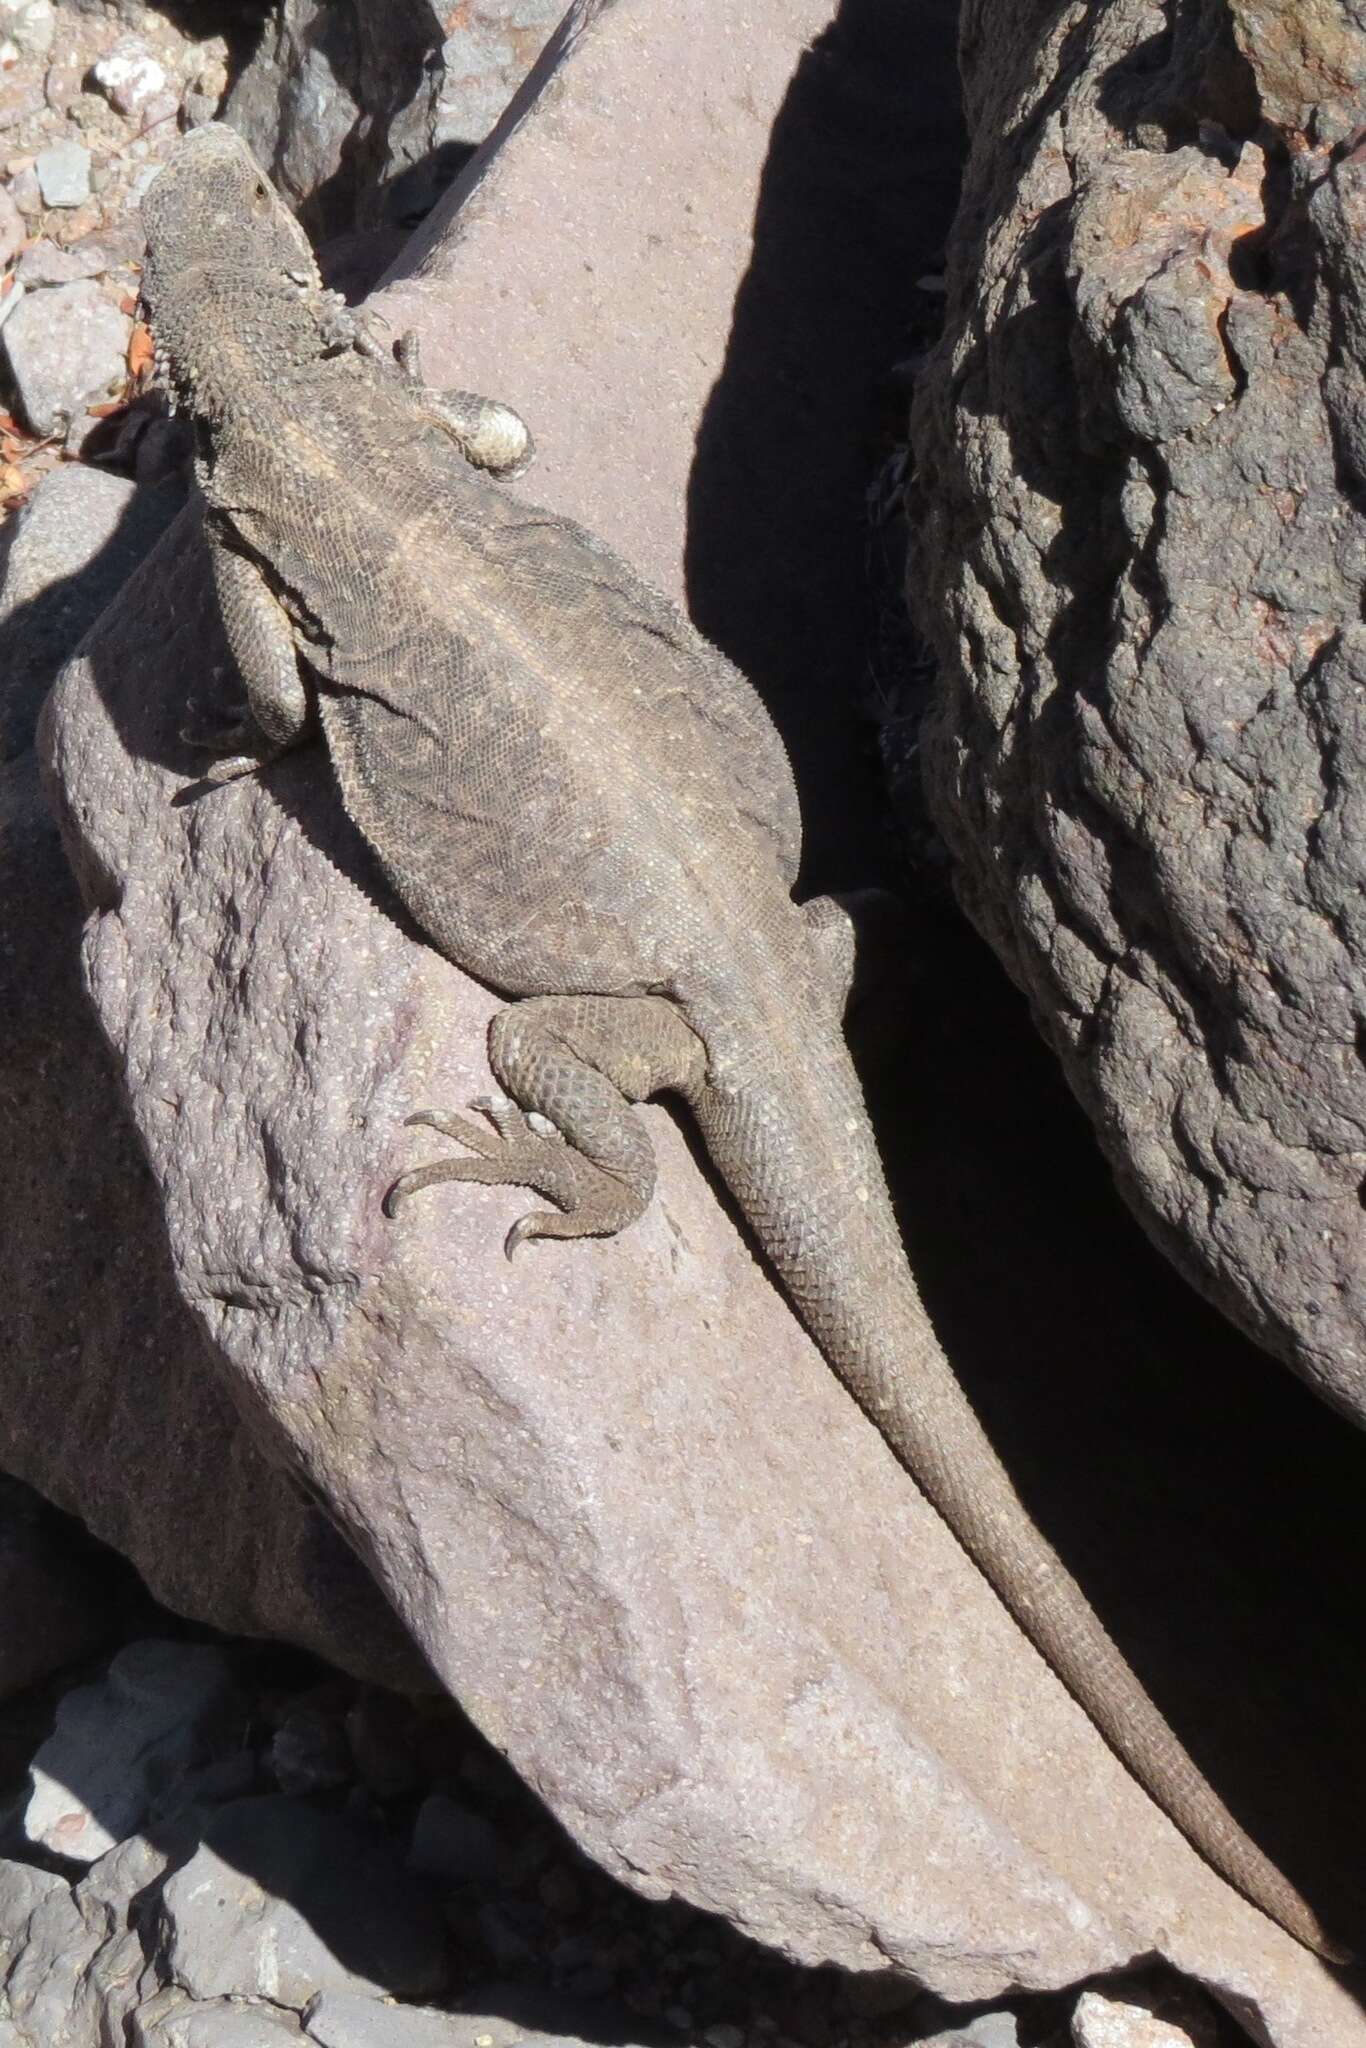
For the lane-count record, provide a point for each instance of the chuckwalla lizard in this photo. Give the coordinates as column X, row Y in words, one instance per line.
column 584, row 804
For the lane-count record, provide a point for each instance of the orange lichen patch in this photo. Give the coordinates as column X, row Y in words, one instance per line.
column 1306, row 58
column 1144, row 215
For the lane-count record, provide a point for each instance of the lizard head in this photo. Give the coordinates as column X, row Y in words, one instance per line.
column 218, row 237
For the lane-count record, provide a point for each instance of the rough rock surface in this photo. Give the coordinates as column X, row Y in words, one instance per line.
column 1101, row 2022
column 586, row 1483
column 1142, row 555
column 112, row 1405
column 281, row 1901
column 362, row 110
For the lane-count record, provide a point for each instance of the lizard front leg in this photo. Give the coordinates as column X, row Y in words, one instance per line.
column 262, row 640
column 576, row 1064
column 488, row 433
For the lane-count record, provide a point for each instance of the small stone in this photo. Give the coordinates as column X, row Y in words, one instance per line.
column 118, row 1740
column 44, row 263
column 12, row 229
column 74, row 223
column 118, row 244
column 200, row 107
column 453, row 1844
column 344, row 2019
column 25, row 192
column 63, row 171
column 17, row 102
column 161, row 108
column 129, row 75
column 1100, row 2022
column 170, row 2020
column 379, row 1728
column 31, row 28
column 88, row 110
column 62, row 83
column 309, row 1753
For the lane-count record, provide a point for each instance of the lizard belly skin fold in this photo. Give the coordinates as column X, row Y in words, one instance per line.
column 583, row 804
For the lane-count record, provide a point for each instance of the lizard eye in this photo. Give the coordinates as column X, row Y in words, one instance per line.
column 260, row 198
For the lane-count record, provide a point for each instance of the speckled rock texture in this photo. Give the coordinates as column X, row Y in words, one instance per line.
column 617, row 1498
column 1141, row 553
column 111, row 1406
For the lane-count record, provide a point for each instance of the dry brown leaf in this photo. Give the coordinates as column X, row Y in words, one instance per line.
column 141, row 350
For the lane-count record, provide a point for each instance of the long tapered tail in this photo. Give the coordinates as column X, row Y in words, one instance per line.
column 826, row 1223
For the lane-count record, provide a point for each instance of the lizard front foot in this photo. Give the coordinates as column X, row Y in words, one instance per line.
column 520, row 1153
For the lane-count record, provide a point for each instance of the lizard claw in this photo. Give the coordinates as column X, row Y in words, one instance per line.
column 513, row 1154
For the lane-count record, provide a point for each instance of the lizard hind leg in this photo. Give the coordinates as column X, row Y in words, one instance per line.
column 575, row 1064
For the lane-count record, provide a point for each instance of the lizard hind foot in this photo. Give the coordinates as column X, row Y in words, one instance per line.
column 518, row 1152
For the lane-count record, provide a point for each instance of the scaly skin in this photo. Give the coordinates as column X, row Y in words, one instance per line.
column 584, row 805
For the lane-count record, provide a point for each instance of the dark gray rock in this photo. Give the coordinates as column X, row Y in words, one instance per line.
column 339, row 2019
column 170, row 2020
column 309, row 1753
column 119, row 1742
column 1141, row 556
column 363, row 111
column 77, row 1968
column 281, row 1901
column 60, row 1597
column 451, row 1843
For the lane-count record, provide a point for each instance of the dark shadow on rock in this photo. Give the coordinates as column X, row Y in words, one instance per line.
column 855, row 202
column 1212, row 1509
column 239, row 22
